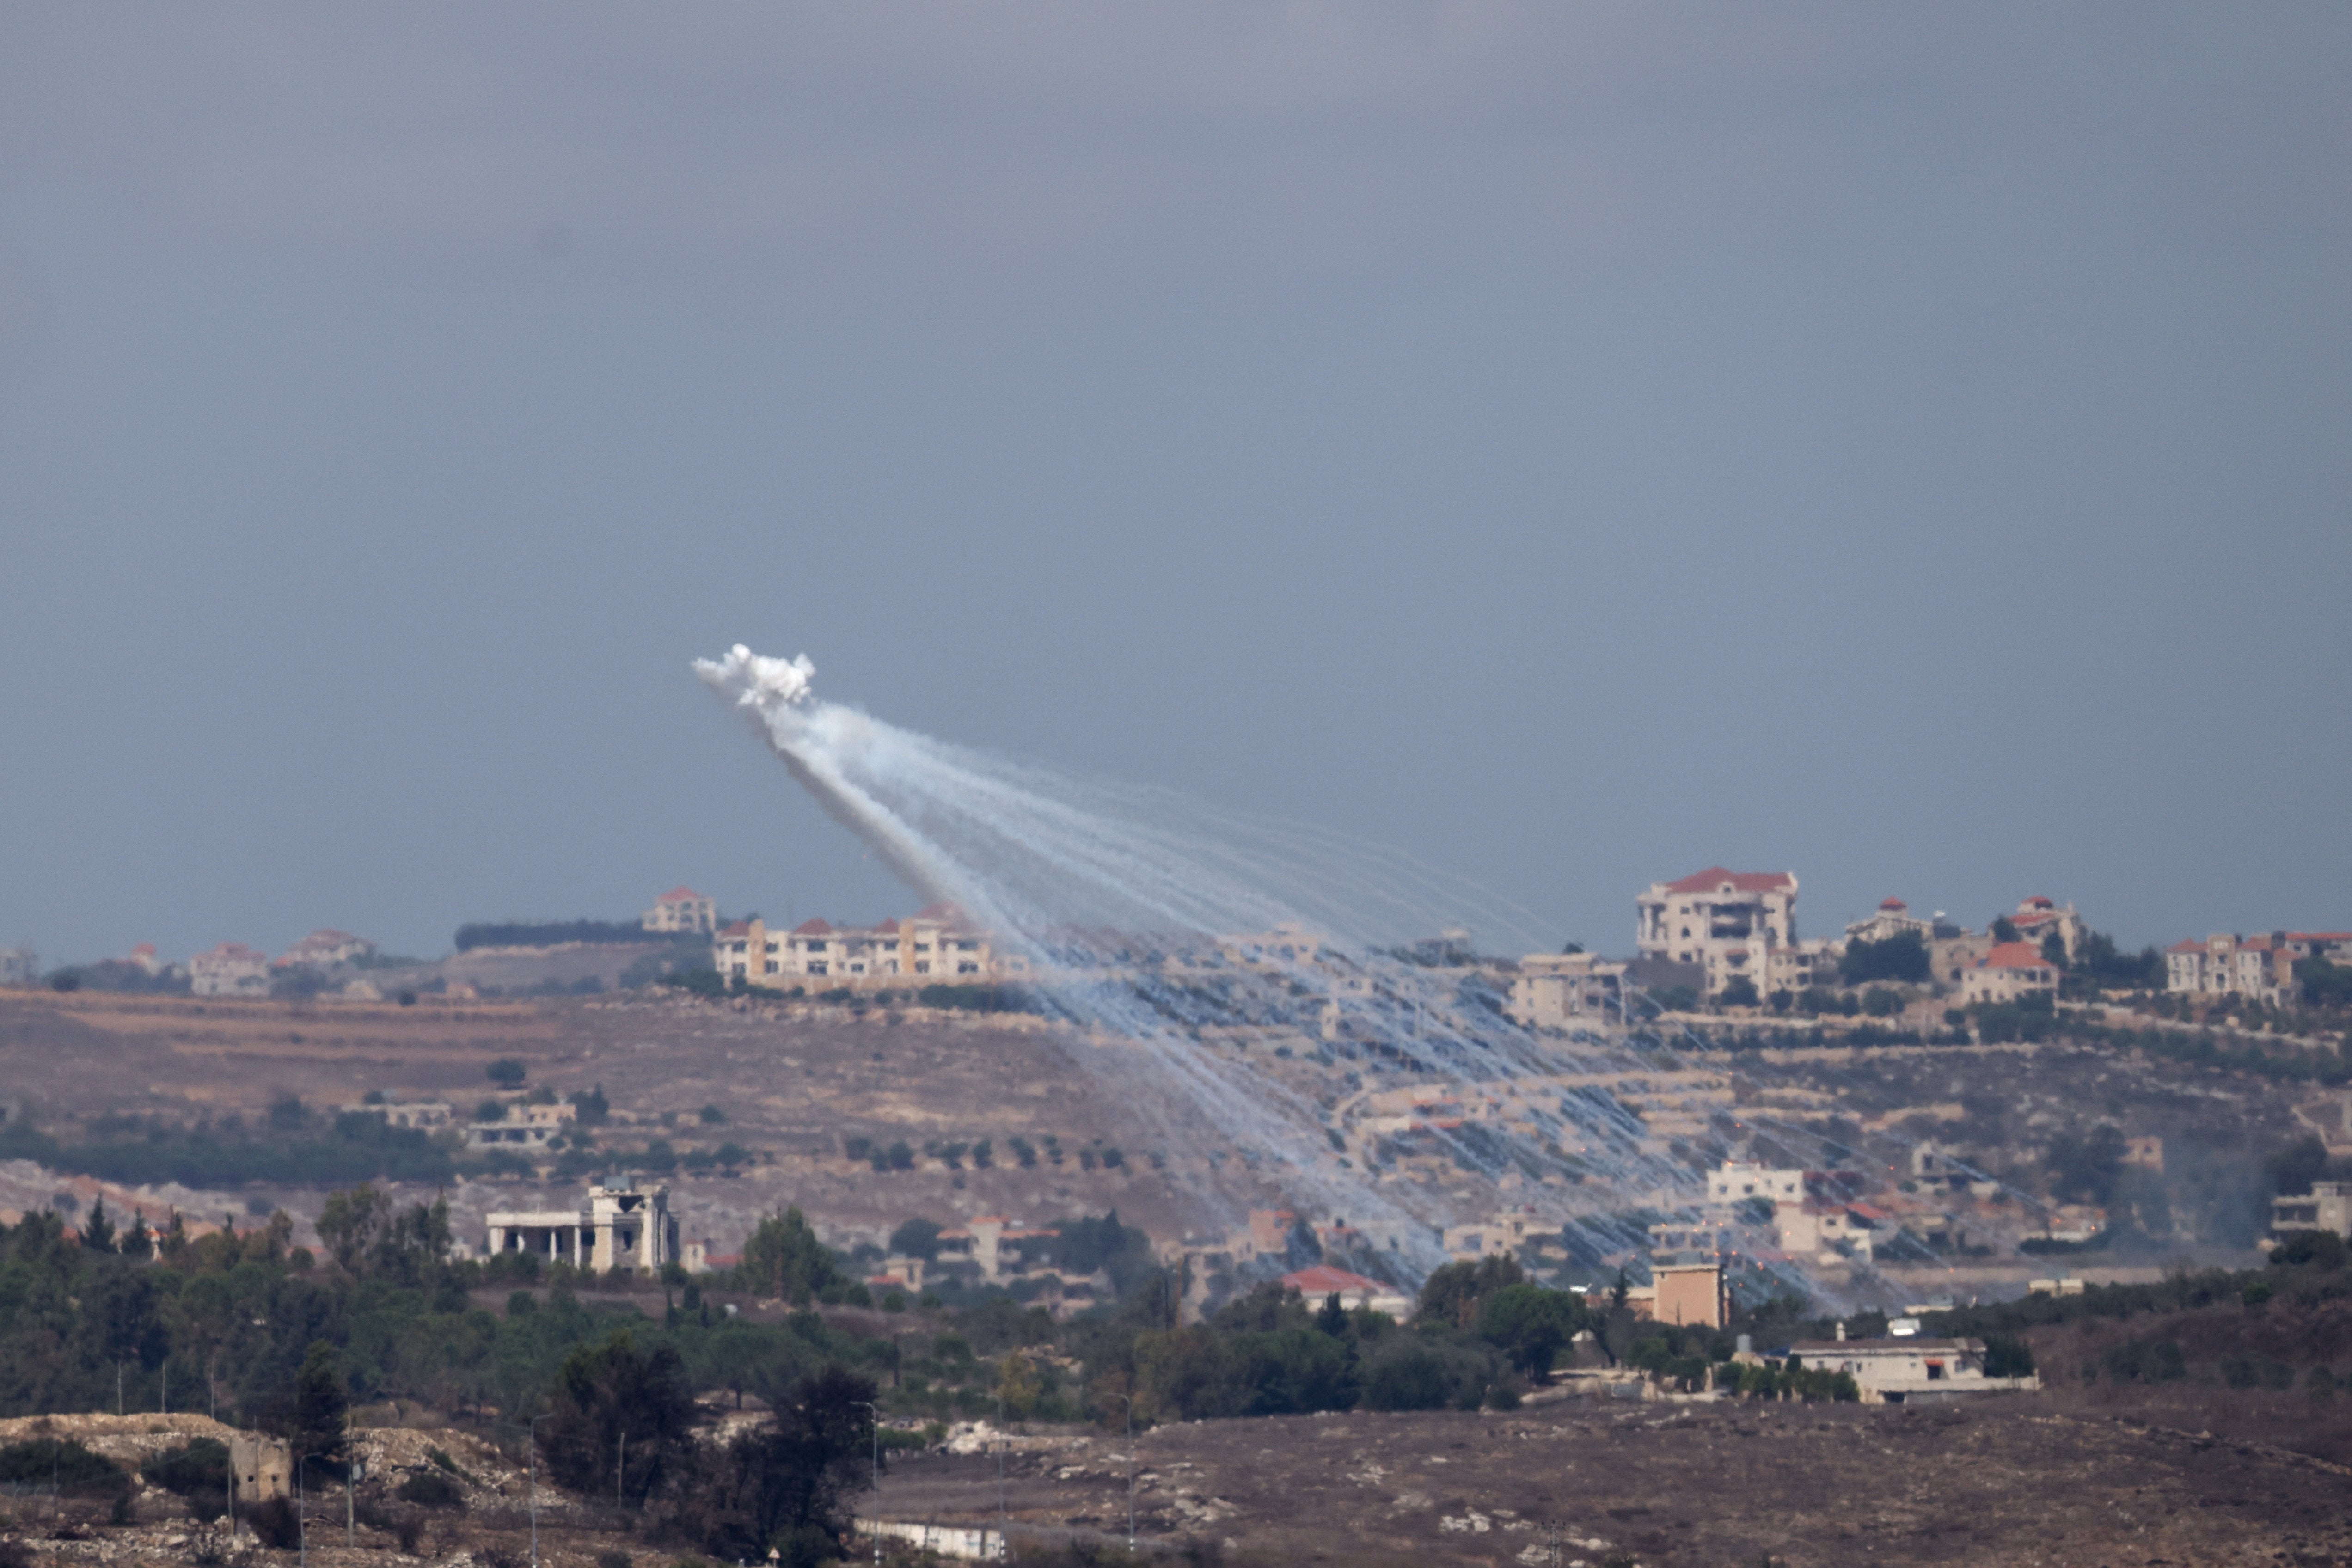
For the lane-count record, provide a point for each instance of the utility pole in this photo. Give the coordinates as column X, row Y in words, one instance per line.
column 351, row 1473
column 534, row 1486
column 302, row 1523
column 874, row 1414
column 1129, row 1401
column 118, row 1388
column 620, row 1468
column 1003, row 1540
column 165, row 1396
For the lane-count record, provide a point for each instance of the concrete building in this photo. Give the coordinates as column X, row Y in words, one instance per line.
column 2259, row 968
column 682, row 908
column 1893, row 1371
column 1736, row 1181
column 323, row 947
column 2327, row 1207
column 619, row 1225
column 425, row 1114
column 1001, row 1246
column 232, row 969
column 2038, row 919
column 261, row 1467
column 1827, row 1230
column 2012, row 970
column 1565, row 990
column 19, row 966
column 1730, row 924
column 937, row 945
column 524, row 1126
column 1690, row 1293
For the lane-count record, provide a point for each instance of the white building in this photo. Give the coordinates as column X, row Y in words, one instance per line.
column 232, row 969
column 2225, row 965
column 2011, row 971
column 322, row 948
column 1736, row 1181
column 682, row 908
column 19, row 966
column 1890, row 1371
column 424, row 1113
column 1892, row 918
column 937, row 945
column 620, row 1225
column 1734, row 925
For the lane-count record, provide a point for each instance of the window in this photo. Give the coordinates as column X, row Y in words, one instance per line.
column 922, row 966
column 773, row 967
column 817, row 967
column 967, row 967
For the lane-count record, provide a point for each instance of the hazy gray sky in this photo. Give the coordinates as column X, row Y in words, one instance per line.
column 1573, row 444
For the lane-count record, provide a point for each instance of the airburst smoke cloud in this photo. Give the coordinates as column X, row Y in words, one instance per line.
column 1118, row 896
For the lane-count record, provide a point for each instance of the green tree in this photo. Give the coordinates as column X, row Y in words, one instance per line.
column 622, row 1421
column 783, row 1259
column 1453, row 1293
column 916, row 1238
column 97, row 1231
column 787, row 1487
column 1901, row 957
column 1529, row 1325
column 317, row 1431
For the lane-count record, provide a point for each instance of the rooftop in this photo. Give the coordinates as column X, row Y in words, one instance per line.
column 1715, row 877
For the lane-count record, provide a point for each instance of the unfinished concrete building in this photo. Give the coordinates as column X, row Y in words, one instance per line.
column 620, row 1225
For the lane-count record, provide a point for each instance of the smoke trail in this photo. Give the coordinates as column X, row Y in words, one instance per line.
column 1127, row 902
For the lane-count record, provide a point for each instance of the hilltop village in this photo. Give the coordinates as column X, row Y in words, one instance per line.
column 1914, row 1165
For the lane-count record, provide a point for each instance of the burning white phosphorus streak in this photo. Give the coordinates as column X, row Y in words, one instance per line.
column 1117, row 898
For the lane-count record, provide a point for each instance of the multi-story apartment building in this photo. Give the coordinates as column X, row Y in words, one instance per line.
column 324, row 947
column 1734, row 925
column 937, row 946
column 682, row 908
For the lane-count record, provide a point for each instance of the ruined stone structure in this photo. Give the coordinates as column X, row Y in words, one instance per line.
column 620, row 1225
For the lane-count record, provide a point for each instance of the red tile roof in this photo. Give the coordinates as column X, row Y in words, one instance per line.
column 1322, row 1280
column 1715, row 876
column 1893, row 904
column 2013, row 955
column 740, row 927
column 679, row 895
column 2191, row 946
column 815, row 926
column 2038, row 902
column 2319, row 936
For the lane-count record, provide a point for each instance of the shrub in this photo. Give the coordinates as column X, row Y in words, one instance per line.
column 430, row 1488
column 197, row 1471
column 74, row 1468
column 274, row 1523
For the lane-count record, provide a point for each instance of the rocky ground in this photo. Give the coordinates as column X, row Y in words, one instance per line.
column 2005, row 1481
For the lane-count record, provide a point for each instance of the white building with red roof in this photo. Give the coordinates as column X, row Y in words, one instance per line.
column 2260, row 967
column 1322, row 1281
column 682, row 908
column 2011, row 971
column 2039, row 918
column 232, row 969
column 1732, row 925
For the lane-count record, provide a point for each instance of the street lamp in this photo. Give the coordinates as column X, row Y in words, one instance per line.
column 874, row 1413
column 1004, row 1540
column 1129, row 1401
column 534, row 1485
